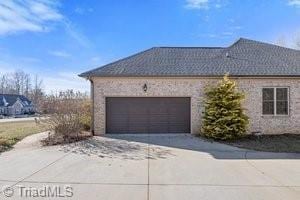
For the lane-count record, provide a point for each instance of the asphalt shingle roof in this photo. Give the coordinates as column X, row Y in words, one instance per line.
column 10, row 99
column 243, row 58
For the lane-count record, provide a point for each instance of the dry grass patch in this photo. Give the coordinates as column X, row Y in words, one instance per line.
column 12, row 132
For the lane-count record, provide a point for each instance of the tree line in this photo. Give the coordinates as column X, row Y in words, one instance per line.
column 22, row 83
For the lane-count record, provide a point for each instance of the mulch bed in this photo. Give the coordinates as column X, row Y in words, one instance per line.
column 56, row 139
column 289, row 143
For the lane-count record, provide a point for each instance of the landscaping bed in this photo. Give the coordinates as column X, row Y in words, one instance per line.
column 289, row 143
column 12, row 132
column 57, row 139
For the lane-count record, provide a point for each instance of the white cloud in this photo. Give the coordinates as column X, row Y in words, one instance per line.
column 294, row 3
column 218, row 5
column 82, row 11
column 209, row 35
column 197, row 4
column 76, row 35
column 227, row 33
column 36, row 16
column 52, row 81
column 237, row 27
column 60, row 53
column 95, row 59
column 231, row 20
column 5, row 68
column 30, row 59
column 27, row 15
column 221, row 35
column 57, row 82
column 53, row 78
column 65, row 81
column 205, row 4
column 69, row 75
column 45, row 10
column 232, row 25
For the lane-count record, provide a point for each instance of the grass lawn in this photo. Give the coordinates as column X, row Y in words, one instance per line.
column 271, row 143
column 12, row 132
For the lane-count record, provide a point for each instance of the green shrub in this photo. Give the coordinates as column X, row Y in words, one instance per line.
column 224, row 117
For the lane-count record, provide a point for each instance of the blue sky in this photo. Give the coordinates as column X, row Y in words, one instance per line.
column 57, row 39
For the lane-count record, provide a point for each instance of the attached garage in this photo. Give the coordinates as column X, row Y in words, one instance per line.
column 165, row 88
column 148, row 115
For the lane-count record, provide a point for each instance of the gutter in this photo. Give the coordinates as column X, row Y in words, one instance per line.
column 192, row 76
column 92, row 107
column 92, row 102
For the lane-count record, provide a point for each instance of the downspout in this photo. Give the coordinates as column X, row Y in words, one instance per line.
column 92, row 107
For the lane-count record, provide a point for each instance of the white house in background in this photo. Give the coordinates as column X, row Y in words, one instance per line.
column 12, row 104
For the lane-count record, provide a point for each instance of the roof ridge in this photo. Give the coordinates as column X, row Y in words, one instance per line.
column 187, row 47
column 265, row 43
column 13, row 94
column 172, row 61
column 119, row 60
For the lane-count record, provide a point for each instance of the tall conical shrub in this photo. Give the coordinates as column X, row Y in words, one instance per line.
column 224, row 117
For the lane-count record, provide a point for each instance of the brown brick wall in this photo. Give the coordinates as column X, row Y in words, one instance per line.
column 194, row 88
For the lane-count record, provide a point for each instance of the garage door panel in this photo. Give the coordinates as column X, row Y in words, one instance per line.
column 136, row 129
column 158, row 129
column 147, row 115
column 178, row 128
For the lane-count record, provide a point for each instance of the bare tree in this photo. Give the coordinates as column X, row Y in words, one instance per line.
column 291, row 42
column 3, row 83
column 37, row 91
column 297, row 41
column 20, row 82
column 17, row 81
column 27, row 84
column 281, row 41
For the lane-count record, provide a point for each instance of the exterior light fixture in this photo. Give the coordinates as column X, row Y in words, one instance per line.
column 145, row 87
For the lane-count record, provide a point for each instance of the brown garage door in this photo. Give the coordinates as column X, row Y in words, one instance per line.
column 147, row 115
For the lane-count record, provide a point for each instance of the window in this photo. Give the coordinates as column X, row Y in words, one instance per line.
column 275, row 101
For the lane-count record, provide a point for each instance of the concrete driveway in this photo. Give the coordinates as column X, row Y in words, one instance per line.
column 156, row 167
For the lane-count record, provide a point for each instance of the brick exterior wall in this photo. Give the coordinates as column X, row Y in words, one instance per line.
column 194, row 88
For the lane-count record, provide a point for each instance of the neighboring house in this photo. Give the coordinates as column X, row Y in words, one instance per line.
column 12, row 104
column 161, row 90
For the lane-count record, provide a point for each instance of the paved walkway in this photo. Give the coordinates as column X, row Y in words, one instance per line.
column 152, row 167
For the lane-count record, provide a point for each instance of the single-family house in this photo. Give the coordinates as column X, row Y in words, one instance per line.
column 161, row 90
column 13, row 104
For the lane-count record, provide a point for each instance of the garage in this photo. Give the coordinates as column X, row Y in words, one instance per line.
column 147, row 115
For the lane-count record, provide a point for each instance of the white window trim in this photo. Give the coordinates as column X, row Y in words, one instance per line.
column 275, row 104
